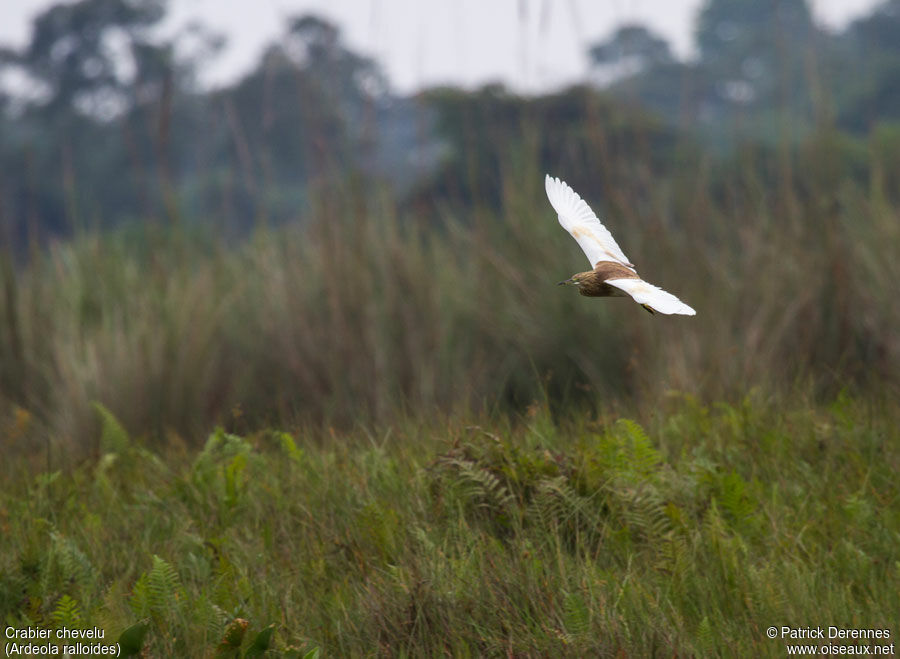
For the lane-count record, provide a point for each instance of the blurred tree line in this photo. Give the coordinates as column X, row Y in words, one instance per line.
column 103, row 121
column 763, row 70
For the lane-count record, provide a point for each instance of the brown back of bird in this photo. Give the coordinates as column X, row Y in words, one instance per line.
column 593, row 282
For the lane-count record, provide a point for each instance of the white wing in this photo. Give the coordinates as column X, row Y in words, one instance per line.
column 652, row 296
column 577, row 218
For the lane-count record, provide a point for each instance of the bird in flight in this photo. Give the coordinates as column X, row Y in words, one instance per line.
column 612, row 275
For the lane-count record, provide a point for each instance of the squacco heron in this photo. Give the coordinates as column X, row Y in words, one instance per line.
column 612, row 275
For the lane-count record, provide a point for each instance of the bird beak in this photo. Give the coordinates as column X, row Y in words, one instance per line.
column 567, row 281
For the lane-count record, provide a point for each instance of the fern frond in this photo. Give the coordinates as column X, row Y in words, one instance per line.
column 645, row 514
column 66, row 562
column 480, row 488
column 67, row 613
column 162, row 584
column 157, row 591
column 576, row 615
column 638, row 454
column 735, row 499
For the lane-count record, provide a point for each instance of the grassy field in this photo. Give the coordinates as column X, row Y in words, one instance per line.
column 531, row 535
column 453, row 469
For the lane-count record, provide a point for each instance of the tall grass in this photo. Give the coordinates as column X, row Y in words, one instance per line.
column 367, row 311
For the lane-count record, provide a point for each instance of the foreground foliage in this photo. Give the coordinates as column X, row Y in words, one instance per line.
column 576, row 537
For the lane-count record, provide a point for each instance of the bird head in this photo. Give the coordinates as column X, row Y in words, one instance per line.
column 574, row 280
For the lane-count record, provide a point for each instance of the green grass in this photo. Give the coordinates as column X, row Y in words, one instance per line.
column 529, row 536
column 474, row 521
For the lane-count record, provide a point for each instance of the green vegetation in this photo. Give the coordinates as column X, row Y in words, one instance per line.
column 420, row 445
column 468, row 518
column 578, row 537
column 369, row 313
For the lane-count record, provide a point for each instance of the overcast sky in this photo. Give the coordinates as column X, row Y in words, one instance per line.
column 529, row 44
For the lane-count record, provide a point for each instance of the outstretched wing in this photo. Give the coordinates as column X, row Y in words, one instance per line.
column 577, row 218
column 652, row 296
